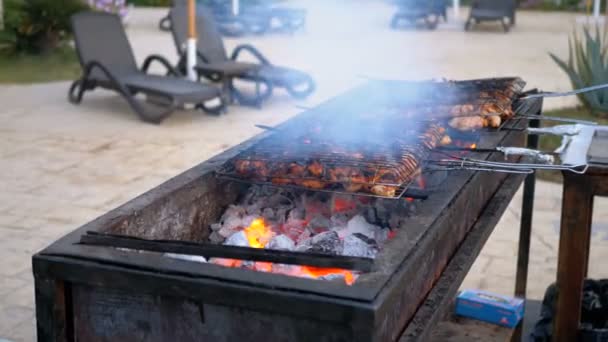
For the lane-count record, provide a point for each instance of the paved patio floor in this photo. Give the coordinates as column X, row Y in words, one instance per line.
column 63, row 165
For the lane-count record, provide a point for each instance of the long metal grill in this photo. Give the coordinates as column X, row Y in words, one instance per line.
column 375, row 151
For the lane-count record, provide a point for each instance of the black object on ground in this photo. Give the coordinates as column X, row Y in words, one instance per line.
column 594, row 313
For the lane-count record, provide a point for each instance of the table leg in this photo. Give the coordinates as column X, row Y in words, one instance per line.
column 525, row 229
column 575, row 231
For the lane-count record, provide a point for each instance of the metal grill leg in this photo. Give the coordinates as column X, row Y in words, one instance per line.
column 525, row 230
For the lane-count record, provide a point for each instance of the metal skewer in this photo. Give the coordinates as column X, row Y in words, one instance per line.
column 554, row 118
column 565, row 93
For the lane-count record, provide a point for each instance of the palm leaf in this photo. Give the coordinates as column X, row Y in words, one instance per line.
column 587, row 65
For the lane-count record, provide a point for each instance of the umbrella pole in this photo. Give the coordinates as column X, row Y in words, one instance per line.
column 191, row 47
column 235, row 7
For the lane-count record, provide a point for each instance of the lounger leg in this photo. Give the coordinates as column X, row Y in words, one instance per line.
column 301, row 94
column 468, row 24
column 505, row 25
column 227, row 90
column 77, row 86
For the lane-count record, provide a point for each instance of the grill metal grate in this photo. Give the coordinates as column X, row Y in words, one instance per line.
column 366, row 153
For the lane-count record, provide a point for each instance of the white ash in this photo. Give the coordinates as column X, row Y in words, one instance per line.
column 187, row 257
column 358, row 245
column 338, row 220
column 304, row 236
column 281, row 242
column 358, row 224
column 234, row 223
column 332, row 277
column 237, row 239
column 215, row 237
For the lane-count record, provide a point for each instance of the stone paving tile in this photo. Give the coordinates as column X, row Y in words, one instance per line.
column 64, row 165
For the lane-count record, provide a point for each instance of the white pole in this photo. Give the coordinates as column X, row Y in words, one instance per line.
column 456, row 5
column 235, row 7
column 191, row 47
column 596, row 9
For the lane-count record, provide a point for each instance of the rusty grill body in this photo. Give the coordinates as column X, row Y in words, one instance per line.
column 94, row 293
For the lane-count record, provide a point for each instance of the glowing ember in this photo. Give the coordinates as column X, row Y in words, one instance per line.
column 421, row 182
column 258, row 234
column 263, row 266
column 312, row 223
column 317, row 272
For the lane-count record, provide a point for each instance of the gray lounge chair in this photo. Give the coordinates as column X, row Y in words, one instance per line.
column 214, row 64
column 492, row 10
column 107, row 61
column 409, row 12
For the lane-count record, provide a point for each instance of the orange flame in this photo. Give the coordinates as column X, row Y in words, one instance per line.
column 258, row 234
column 473, row 146
column 317, row 272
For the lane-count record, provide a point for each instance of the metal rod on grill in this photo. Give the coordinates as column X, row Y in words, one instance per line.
column 554, row 118
column 499, row 149
column 466, row 162
column 565, row 93
column 231, row 252
column 479, row 168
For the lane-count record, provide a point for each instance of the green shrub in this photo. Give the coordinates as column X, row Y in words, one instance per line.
column 587, row 65
column 38, row 26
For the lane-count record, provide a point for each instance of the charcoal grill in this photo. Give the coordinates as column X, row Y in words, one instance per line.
column 100, row 293
column 376, row 144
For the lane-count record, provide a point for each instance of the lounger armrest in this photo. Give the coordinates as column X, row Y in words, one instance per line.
column 92, row 65
column 252, row 50
column 162, row 60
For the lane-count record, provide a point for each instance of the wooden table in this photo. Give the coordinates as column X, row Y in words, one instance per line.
column 574, row 240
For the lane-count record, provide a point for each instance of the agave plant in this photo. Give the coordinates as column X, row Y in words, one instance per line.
column 587, row 65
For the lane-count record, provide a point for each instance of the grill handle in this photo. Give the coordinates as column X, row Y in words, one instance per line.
column 565, row 93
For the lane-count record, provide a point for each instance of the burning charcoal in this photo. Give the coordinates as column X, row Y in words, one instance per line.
column 327, row 242
column 319, row 222
column 294, row 228
column 304, row 245
column 279, row 200
column 195, row 258
column 237, row 239
column 286, row 269
column 248, row 264
column 306, row 234
column 268, row 214
column 381, row 236
column 359, row 245
column 216, row 237
column 254, row 209
column 370, row 215
column 296, row 214
column 281, row 242
column 358, row 225
column 339, row 220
